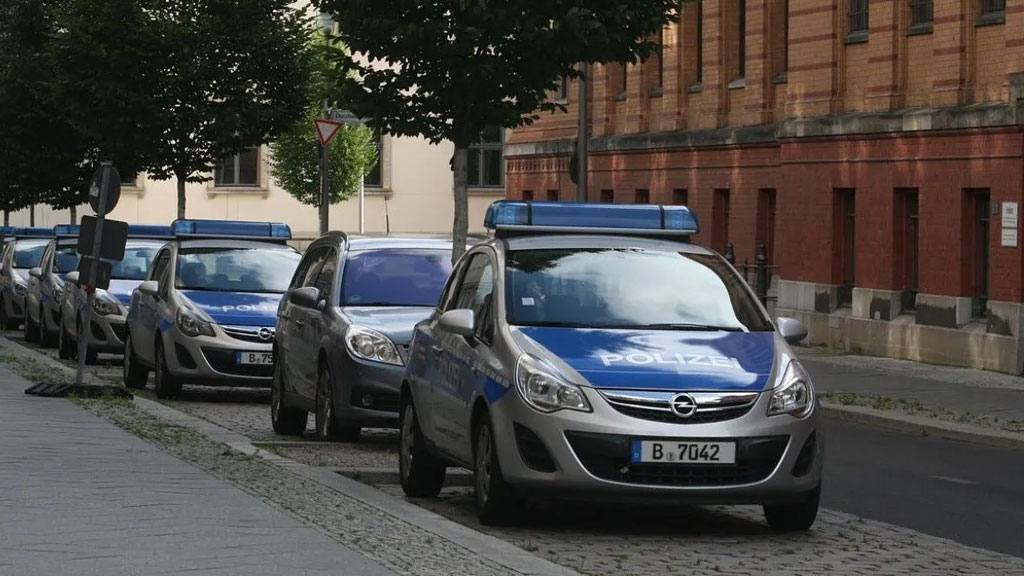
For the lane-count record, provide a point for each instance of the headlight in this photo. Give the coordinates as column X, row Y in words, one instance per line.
column 191, row 325
column 105, row 307
column 542, row 389
column 371, row 345
column 794, row 394
column 58, row 295
column 20, row 288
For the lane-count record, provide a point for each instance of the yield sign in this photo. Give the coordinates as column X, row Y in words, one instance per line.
column 326, row 130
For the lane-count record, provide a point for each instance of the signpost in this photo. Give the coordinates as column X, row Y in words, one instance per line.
column 326, row 130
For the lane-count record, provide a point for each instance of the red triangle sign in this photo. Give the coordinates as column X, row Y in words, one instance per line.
column 326, row 130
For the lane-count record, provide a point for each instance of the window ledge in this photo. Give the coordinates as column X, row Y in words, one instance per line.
column 375, row 191
column 658, row 92
column 620, row 96
column 133, row 190
column 858, row 37
column 738, row 83
column 486, row 190
column 781, row 78
column 238, row 191
column 991, row 19
column 695, row 88
column 920, row 28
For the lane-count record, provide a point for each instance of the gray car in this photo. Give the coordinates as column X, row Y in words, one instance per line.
column 46, row 285
column 20, row 256
column 592, row 351
column 344, row 327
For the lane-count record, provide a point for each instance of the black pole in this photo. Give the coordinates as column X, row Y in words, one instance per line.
column 583, row 136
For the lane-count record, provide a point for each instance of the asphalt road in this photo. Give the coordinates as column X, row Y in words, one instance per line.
column 966, row 492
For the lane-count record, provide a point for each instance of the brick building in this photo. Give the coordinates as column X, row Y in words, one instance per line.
column 876, row 147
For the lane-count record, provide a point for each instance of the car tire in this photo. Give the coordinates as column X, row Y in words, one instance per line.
column 420, row 471
column 46, row 338
column 286, row 420
column 135, row 374
column 327, row 426
column 495, row 500
column 5, row 322
column 31, row 328
column 796, row 517
column 167, row 385
column 65, row 349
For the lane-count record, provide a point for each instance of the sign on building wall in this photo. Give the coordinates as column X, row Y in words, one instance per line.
column 1009, row 222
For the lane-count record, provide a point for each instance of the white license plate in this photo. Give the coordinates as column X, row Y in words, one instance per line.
column 682, row 452
column 254, row 358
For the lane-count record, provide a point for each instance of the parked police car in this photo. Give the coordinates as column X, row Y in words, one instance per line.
column 206, row 312
column 110, row 306
column 591, row 350
column 46, row 286
column 21, row 255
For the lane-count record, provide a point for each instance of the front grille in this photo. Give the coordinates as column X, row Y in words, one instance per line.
column 532, row 449
column 806, row 456
column 656, row 405
column 120, row 331
column 383, row 401
column 249, row 333
column 184, row 357
column 607, row 456
column 224, row 361
column 97, row 333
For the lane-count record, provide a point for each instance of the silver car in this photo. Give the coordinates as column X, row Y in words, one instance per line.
column 591, row 351
column 20, row 256
column 207, row 310
column 46, row 286
column 110, row 306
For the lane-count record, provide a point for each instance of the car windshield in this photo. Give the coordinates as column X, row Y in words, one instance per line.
column 135, row 263
column 628, row 288
column 28, row 253
column 395, row 277
column 236, row 269
column 65, row 260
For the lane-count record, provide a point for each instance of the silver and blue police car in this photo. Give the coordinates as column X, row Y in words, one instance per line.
column 46, row 286
column 591, row 351
column 21, row 255
column 206, row 313
column 110, row 306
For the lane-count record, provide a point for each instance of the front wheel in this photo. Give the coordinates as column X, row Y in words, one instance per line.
column 495, row 500
column 46, row 338
column 135, row 374
column 286, row 419
column 65, row 347
column 166, row 384
column 794, row 517
column 327, row 426
column 31, row 328
column 421, row 473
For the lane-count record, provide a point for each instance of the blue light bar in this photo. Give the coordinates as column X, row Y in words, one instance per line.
column 9, row 230
column 33, row 232
column 66, row 230
column 231, row 229
column 149, row 231
column 567, row 217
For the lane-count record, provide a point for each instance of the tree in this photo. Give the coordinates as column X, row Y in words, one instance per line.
column 174, row 86
column 446, row 69
column 296, row 152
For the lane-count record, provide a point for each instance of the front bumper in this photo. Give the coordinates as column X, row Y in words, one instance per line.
column 778, row 459
column 367, row 392
column 212, row 360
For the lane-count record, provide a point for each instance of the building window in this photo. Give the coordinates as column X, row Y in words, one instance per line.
column 698, row 66
column 845, row 241
column 642, row 196
column 921, row 12
column 607, row 196
column 552, row 195
column 766, row 223
column 907, row 204
column 622, row 81
column 977, row 214
column 374, row 178
column 785, row 37
column 660, row 78
column 993, row 6
column 242, row 169
column 858, row 16
column 527, row 195
column 741, row 48
column 561, row 93
column 130, row 180
column 681, row 197
column 720, row 221
column 486, row 159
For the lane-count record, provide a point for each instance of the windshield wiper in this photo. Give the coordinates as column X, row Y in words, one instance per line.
column 692, row 327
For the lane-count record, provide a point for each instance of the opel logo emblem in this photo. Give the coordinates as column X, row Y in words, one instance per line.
column 683, row 405
column 265, row 334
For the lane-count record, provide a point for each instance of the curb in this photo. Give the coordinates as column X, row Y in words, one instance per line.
column 483, row 545
column 920, row 425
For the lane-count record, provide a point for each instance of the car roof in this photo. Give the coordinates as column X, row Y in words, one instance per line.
column 146, row 242
column 543, row 241
column 369, row 243
column 232, row 243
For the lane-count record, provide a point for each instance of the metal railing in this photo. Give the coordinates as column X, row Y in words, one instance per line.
column 758, row 275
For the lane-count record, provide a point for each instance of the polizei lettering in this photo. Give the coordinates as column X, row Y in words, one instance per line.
column 244, row 308
column 642, row 358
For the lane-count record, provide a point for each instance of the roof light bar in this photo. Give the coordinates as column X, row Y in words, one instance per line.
column 33, row 232
column 149, row 231
column 567, row 217
column 66, row 230
column 231, row 229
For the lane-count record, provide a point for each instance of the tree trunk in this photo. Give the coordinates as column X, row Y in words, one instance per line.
column 181, row 196
column 460, row 225
column 74, row 214
column 32, row 215
column 7, row 217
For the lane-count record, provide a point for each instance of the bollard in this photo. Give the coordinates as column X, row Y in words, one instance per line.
column 730, row 254
column 761, row 265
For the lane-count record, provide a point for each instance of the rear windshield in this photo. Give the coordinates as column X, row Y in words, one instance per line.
column 629, row 289
column 28, row 253
column 395, row 277
column 236, row 269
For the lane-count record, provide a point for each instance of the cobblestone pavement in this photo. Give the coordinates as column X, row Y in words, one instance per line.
column 599, row 540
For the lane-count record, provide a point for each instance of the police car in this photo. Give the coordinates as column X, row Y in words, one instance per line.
column 46, row 286
column 590, row 350
column 110, row 306
column 21, row 255
column 207, row 310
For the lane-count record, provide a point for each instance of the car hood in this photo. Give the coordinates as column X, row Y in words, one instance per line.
column 396, row 322
column 122, row 290
column 662, row 359
column 237, row 308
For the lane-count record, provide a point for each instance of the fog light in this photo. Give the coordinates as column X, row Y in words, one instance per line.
column 367, row 400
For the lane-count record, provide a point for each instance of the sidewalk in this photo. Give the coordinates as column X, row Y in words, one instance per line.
column 81, row 496
column 976, row 392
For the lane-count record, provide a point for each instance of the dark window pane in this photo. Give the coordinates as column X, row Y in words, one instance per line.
column 224, row 174
column 858, row 15
column 993, row 6
column 474, row 168
column 921, row 11
column 374, row 178
column 248, row 168
column 493, row 173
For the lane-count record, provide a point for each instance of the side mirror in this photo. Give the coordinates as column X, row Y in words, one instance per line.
column 36, row 272
column 458, row 322
column 792, row 330
column 71, row 277
column 308, row 297
column 149, row 288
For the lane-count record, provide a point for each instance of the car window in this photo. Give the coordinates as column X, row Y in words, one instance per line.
column 476, row 293
column 309, row 268
column 229, row 269
column 325, row 276
column 160, row 265
column 65, row 260
column 29, row 253
column 135, row 263
column 451, row 289
column 395, row 277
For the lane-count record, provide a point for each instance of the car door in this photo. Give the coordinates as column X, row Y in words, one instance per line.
column 314, row 330
column 461, row 359
column 293, row 322
column 146, row 317
column 35, row 287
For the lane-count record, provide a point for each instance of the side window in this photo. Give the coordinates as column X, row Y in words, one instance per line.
column 476, row 293
column 325, row 277
column 159, row 265
column 451, row 289
column 44, row 262
column 309, row 268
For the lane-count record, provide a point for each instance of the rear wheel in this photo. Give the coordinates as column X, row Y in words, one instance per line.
column 167, row 385
column 422, row 473
column 327, row 425
column 285, row 419
column 135, row 374
column 495, row 500
column 794, row 517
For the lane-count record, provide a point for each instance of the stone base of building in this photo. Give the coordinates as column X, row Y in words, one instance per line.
column 940, row 330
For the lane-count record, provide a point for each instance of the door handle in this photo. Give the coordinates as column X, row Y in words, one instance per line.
column 437, row 349
column 300, row 323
